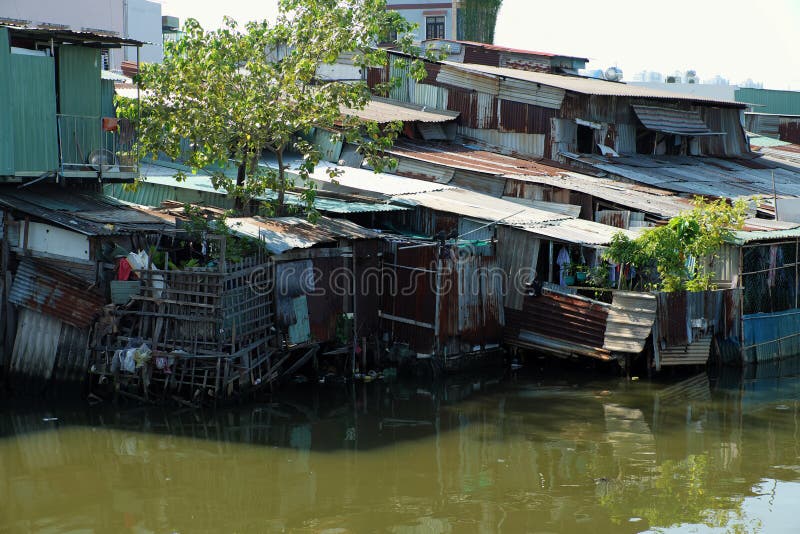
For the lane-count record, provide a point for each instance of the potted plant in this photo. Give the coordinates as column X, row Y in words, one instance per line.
column 569, row 274
column 581, row 271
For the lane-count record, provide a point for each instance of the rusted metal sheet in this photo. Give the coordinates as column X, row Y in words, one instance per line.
column 466, row 104
column 332, row 296
column 54, row 293
column 408, row 296
column 530, row 145
column 685, row 319
column 616, row 218
column 560, row 323
column 671, row 120
column 789, row 130
column 630, row 321
column 481, row 56
column 525, row 118
column 377, row 76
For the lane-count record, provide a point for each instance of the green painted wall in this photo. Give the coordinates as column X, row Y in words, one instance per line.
column 107, row 99
column 6, row 124
column 79, row 102
column 33, row 104
column 771, row 101
column 79, row 81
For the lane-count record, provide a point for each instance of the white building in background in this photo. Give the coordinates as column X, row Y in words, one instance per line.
column 134, row 19
column 435, row 19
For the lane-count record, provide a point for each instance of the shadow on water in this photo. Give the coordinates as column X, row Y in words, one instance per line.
column 317, row 418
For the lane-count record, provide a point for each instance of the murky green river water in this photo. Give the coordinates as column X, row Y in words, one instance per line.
column 705, row 454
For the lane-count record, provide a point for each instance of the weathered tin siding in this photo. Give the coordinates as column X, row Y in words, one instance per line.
column 532, row 145
column 54, row 293
column 559, row 323
column 524, row 118
column 771, row 336
column 46, row 349
column 408, row 295
column 33, row 102
column 789, row 130
column 686, row 322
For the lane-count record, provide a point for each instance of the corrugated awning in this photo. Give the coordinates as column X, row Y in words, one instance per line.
column 383, row 110
column 673, row 121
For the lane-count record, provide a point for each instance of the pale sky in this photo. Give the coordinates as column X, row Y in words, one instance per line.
column 737, row 39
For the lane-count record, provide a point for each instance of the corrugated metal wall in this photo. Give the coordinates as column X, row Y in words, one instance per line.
column 152, row 194
column 45, row 349
column 507, row 143
column 566, row 323
column 517, row 256
column 331, row 150
column 79, row 81
column 422, row 170
column 524, row 118
column 6, row 107
column 771, row 101
column 527, row 93
column 107, row 108
column 430, row 95
column 724, row 120
column 33, row 102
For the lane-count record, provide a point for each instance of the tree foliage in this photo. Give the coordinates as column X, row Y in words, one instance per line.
column 479, row 19
column 680, row 250
column 221, row 98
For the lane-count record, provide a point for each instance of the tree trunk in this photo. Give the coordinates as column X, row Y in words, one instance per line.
column 241, row 173
column 280, row 209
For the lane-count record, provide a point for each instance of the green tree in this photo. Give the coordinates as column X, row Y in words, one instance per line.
column 478, row 19
column 680, row 250
column 222, row 98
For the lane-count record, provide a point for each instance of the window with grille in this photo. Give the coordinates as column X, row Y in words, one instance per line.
column 434, row 28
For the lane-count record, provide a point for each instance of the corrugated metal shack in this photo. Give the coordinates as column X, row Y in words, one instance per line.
column 442, row 301
column 325, row 275
column 502, row 56
column 57, row 117
column 541, row 114
column 56, row 265
column 517, row 234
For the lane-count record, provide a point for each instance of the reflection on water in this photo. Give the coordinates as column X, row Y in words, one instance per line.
column 479, row 455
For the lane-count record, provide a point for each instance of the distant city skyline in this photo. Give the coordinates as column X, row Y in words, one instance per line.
column 712, row 37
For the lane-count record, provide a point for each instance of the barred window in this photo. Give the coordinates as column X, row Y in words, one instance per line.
column 434, row 28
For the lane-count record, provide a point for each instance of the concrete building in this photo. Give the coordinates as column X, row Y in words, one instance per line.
column 435, row 19
column 133, row 19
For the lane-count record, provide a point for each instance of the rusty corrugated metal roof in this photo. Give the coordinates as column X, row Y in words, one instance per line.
column 286, row 233
column 672, row 121
column 54, row 293
column 86, row 213
column 587, row 86
column 692, row 175
column 384, row 110
column 659, row 202
column 68, row 35
column 498, row 48
column 463, row 157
